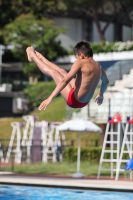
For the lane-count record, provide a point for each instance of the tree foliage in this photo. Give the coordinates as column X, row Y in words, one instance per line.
column 112, row 10
column 106, row 47
column 11, row 9
column 116, row 11
column 36, row 93
column 26, row 31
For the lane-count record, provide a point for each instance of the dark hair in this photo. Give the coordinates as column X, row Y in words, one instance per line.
column 83, row 47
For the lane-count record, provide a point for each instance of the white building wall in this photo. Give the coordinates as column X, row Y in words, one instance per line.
column 109, row 34
column 74, row 31
column 126, row 33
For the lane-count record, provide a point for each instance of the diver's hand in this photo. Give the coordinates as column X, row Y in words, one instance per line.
column 45, row 103
column 99, row 99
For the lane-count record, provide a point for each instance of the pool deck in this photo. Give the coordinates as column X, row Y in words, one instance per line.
column 86, row 183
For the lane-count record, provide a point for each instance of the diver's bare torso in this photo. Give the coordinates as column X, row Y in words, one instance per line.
column 87, row 79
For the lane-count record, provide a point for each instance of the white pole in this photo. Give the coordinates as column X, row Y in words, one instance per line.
column 78, row 156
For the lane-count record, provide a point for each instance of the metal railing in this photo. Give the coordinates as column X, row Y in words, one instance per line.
column 110, row 107
column 36, row 152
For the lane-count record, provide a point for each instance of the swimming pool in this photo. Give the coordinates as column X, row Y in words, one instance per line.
column 37, row 193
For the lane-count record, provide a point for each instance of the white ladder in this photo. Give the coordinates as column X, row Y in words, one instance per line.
column 127, row 148
column 49, row 150
column 17, row 150
column 28, row 133
column 1, row 154
column 114, row 143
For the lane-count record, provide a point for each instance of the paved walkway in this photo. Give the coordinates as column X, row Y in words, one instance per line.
column 67, row 182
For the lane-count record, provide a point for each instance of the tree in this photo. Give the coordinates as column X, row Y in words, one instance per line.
column 11, row 9
column 112, row 10
column 15, row 8
column 107, row 10
column 26, row 31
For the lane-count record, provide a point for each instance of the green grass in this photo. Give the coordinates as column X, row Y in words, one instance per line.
column 66, row 168
column 5, row 127
column 56, row 111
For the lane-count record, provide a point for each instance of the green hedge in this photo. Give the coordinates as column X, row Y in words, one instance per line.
column 37, row 92
column 87, row 154
column 106, row 47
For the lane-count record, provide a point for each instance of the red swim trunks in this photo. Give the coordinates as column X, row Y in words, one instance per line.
column 72, row 101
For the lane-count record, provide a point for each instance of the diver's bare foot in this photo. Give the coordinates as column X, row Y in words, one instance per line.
column 30, row 53
column 39, row 55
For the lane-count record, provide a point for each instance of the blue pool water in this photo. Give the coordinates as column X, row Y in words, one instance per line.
column 36, row 193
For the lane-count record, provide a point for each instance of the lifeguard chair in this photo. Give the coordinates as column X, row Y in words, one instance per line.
column 112, row 140
column 127, row 147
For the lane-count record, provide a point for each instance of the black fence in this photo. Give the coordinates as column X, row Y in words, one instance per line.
column 34, row 151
